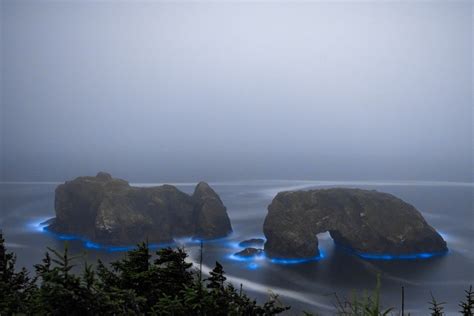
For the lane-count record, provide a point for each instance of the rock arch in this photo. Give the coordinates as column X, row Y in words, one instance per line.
column 362, row 220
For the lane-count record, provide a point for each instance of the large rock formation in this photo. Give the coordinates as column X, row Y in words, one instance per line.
column 364, row 221
column 108, row 210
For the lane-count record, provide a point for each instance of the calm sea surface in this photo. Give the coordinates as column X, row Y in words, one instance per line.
column 306, row 286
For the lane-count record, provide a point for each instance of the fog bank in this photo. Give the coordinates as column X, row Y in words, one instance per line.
column 218, row 90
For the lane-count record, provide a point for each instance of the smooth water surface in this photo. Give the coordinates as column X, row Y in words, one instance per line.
column 305, row 285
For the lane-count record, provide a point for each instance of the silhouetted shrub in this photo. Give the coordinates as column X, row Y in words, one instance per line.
column 134, row 285
column 142, row 283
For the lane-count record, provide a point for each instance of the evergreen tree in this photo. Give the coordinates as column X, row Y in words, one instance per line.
column 467, row 306
column 137, row 284
column 437, row 309
column 15, row 287
column 61, row 292
column 221, row 296
column 131, row 286
column 174, row 272
column 134, row 285
column 217, row 278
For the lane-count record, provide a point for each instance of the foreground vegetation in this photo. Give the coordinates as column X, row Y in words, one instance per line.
column 138, row 284
column 146, row 284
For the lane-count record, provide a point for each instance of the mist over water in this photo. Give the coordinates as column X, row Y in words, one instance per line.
column 308, row 285
column 219, row 90
column 255, row 97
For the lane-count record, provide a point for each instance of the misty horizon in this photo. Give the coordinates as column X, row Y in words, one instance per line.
column 222, row 157
column 216, row 91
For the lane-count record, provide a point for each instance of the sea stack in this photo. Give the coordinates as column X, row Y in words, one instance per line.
column 107, row 210
column 367, row 222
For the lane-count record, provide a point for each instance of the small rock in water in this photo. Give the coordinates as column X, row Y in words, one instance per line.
column 250, row 252
column 252, row 242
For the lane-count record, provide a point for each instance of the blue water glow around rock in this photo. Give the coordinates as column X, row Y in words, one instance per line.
column 253, row 266
column 298, row 260
column 247, row 259
column 422, row 255
column 39, row 226
column 96, row 246
column 388, row 256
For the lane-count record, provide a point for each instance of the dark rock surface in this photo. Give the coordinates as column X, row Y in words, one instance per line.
column 253, row 242
column 211, row 219
column 362, row 220
column 249, row 252
column 108, row 210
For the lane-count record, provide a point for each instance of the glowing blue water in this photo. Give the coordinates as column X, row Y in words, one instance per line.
column 41, row 227
column 388, row 256
column 263, row 258
column 90, row 244
column 447, row 208
column 253, row 266
column 298, row 260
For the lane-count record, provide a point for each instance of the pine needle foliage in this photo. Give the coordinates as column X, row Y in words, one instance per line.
column 436, row 308
column 141, row 283
column 467, row 306
column 146, row 283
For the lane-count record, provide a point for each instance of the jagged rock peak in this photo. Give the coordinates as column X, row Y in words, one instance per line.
column 204, row 190
column 212, row 212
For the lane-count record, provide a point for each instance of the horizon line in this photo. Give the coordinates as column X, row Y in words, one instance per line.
column 266, row 181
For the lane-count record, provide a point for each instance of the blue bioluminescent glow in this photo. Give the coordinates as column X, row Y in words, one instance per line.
column 119, row 248
column 262, row 257
column 59, row 235
column 387, row 256
column 40, row 226
column 298, row 260
column 252, row 261
column 67, row 237
column 253, row 266
column 422, row 255
column 247, row 259
column 92, row 245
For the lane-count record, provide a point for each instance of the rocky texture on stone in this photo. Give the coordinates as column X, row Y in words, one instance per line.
column 253, row 242
column 211, row 218
column 249, row 252
column 361, row 220
column 108, row 210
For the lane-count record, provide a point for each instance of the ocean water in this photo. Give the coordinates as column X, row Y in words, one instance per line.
column 309, row 285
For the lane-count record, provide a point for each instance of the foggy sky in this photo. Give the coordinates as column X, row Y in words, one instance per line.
column 219, row 90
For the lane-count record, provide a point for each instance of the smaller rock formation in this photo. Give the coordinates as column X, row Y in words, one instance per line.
column 368, row 222
column 249, row 252
column 108, row 210
column 211, row 219
column 253, row 242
